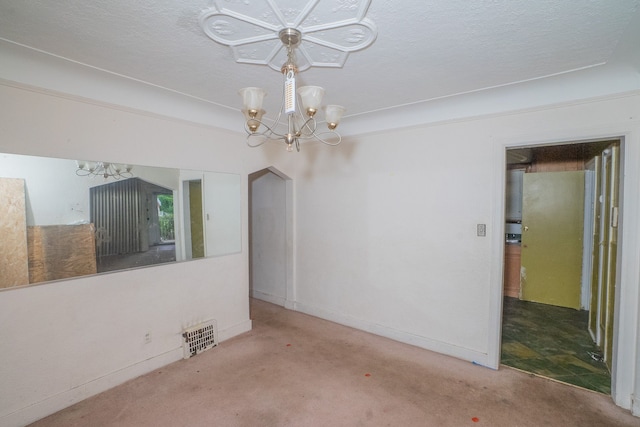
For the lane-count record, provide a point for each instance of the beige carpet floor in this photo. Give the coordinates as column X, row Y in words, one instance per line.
column 297, row 370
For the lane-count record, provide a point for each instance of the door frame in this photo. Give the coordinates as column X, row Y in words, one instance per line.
column 626, row 331
column 289, row 237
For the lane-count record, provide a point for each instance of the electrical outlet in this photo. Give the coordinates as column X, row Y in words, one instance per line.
column 147, row 338
column 481, row 230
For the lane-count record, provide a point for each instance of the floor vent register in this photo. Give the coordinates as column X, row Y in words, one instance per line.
column 200, row 338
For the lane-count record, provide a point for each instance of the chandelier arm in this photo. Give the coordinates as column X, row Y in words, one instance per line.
column 253, row 135
column 268, row 133
column 265, row 138
column 311, row 129
column 104, row 172
column 307, row 122
column 276, row 122
column 291, row 124
column 318, row 137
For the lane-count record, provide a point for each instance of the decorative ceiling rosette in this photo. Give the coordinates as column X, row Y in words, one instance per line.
column 330, row 30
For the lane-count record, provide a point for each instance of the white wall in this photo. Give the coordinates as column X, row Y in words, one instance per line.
column 222, row 213
column 64, row 341
column 386, row 236
column 386, row 228
column 384, row 239
column 54, row 194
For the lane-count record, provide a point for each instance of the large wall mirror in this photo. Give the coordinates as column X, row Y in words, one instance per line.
column 63, row 218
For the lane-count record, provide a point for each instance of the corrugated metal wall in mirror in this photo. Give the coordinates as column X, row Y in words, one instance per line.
column 115, row 212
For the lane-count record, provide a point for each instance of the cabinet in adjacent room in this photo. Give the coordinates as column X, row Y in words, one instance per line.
column 512, row 270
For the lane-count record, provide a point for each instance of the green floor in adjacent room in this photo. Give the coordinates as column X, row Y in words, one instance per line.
column 553, row 342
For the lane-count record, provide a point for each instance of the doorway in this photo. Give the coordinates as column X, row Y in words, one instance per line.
column 549, row 305
column 271, row 237
column 211, row 212
column 193, row 220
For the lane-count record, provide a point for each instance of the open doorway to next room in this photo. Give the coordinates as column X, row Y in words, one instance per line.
column 270, row 241
column 560, row 256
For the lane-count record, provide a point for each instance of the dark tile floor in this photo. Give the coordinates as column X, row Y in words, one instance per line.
column 552, row 342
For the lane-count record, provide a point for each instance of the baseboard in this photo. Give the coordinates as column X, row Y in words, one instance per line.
column 475, row 357
column 273, row 299
column 67, row 398
column 232, row 331
column 635, row 405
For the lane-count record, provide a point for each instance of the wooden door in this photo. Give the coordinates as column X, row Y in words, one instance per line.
column 603, row 243
column 596, row 263
column 552, row 233
column 605, row 249
column 611, row 248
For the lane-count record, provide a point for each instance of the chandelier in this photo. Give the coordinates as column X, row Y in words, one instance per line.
column 103, row 169
column 297, row 122
column 302, row 34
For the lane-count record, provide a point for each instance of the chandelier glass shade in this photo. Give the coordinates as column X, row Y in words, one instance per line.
column 104, row 169
column 295, row 121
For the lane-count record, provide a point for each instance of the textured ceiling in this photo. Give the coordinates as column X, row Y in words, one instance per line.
column 423, row 50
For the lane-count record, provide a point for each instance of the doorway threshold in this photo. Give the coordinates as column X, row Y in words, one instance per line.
column 552, row 342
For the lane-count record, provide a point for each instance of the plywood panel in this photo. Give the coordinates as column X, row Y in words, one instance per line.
column 61, row 251
column 14, row 267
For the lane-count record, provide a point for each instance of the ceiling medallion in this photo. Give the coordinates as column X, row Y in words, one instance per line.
column 330, row 30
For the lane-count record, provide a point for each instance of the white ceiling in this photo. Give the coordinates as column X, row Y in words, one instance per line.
column 424, row 50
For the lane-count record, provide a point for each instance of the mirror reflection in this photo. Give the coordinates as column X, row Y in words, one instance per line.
column 66, row 218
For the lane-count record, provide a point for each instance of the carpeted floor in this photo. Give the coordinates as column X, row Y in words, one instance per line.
column 297, row 370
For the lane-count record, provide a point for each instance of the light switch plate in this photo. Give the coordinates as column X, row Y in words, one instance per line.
column 481, row 230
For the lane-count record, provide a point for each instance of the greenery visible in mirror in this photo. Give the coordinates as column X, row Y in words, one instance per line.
column 55, row 224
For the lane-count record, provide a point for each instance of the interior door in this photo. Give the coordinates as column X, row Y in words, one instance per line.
column 596, row 262
column 552, row 234
column 611, row 247
column 603, row 242
column 601, row 309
